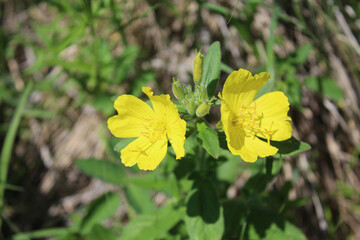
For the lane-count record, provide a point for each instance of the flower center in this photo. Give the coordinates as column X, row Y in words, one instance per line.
column 155, row 130
column 248, row 119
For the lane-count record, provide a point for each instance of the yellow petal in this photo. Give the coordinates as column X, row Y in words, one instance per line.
column 148, row 91
column 132, row 114
column 145, row 153
column 176, row 135
column 248, row 148
column 234, row 135
column 162, row 105
column 275, row 123
column 241, row 87
column 175, row 126
column 254, row 147
column 130, row 154
column 235, row 138
column 225, row 111
column 153, row 155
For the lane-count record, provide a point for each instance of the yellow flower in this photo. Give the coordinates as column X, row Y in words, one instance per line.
column 152, row 127
column 244, row 120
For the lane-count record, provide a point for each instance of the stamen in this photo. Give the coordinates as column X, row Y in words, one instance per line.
column 140, row 151
column 269, row 133
column 155, row 130
column 248, row 119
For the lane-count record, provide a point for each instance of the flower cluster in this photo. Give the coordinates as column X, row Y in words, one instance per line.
column 249, row 125
column 196, row 103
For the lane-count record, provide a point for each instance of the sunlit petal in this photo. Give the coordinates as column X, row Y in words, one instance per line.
column 254, row 147
column 175, row 126
column 235, row 138
column 241, row 87
column 275, row 123
column 150, row 158
column 176, row 135
column 132, row 114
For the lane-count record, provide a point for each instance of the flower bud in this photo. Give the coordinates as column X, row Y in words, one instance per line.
column 198, row 67
column 191, row 106
column 201, row 93
column 188, row 92
column 178, row 90
column 203, row 109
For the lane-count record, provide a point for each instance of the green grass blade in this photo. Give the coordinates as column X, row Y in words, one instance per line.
column 9, row 142
column 270, row 66
column 40, row 233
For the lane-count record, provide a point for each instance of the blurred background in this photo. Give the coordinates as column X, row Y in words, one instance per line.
column 63, row 63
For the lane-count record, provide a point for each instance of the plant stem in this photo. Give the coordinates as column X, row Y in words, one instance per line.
column 243, row 228
column 9, row 142
column 269, row 165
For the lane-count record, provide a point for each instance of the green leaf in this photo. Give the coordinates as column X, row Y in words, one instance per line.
column 325, row 86
column 198, row 229
column 104, row 104
column 98, row 232
column 346, row 190
column 142, row 80
column 290, row 147
column 302, row 53
column 211, row 68
column 41, row 233
column 126, row 62
column 173, row 186
column 228, row 170
column 139, row 199
column 153, row 225
column 235, row 211
column 75, row 34
column 208, row 138
column 180, row 107
column 68, row 236
column 203, row 201
column 276, row 166
column 76, row 65
column 216, row 8
column 99, row 210
column 191, row 142
column 122, row 144
column 102, row 169
column 151, row 181
column 266, row 224
column 204, row 218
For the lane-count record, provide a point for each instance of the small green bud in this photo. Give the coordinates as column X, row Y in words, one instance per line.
column 198, row 67
column 188, row 92
column 178, row 89
column 203, row 109
column 201, row 92
column 191, row 106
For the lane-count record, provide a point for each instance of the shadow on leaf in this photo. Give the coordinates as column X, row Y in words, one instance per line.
column 290, row 147
column 203, row 201
column 262, row 218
